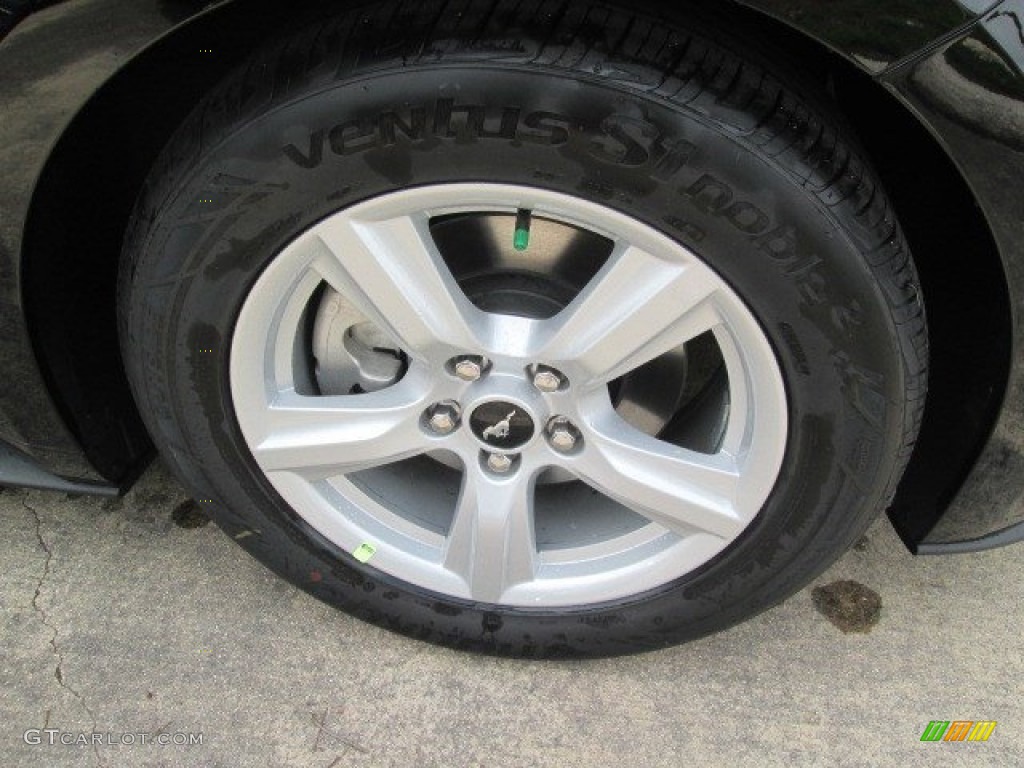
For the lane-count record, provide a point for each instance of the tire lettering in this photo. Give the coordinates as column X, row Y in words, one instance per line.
column 353, row 136
column 708, row 194
column 864, row 389
column 313, row 157
column 747, row 218
column 779, row 244
column 848, row 317
column 796, row 349
column 414, row 130
column 674, row 154
column 474, row 124
column 688, row 229
column 623, row 141
column 549, row 128
column 597, row 188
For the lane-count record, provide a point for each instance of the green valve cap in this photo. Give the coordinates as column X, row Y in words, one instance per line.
column 521, row 241
column 521, row 238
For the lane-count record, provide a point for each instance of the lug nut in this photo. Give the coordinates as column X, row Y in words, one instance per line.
column 442, row 423
column 547, row 380
column 443, row 417
column 563, row 435
column 499, row 462
column 563, row 440
column 468, row 370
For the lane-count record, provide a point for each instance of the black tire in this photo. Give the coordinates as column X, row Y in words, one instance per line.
column 722, row 151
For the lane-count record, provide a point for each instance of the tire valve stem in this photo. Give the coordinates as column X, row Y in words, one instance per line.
column 521, row 238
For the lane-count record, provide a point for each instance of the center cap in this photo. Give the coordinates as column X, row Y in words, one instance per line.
column 500, row 425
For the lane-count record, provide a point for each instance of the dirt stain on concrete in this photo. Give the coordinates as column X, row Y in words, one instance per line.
column 849, row 605
column 189, row 515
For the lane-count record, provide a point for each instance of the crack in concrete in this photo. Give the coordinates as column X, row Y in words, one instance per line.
column 58, row 671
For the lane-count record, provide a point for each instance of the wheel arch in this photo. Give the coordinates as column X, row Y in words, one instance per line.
column 80, row 208
column 85, row 194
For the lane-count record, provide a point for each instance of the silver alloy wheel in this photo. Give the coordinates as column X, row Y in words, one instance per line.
column 649, row 510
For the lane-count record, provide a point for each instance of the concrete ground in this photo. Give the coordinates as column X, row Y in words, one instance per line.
column 117, row 620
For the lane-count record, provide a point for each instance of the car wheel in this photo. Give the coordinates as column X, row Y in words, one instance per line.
column 529, row 332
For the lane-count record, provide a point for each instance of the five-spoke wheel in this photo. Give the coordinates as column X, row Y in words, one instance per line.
column 559, row 499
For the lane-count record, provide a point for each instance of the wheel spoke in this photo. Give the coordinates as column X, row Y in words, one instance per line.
column 491, row 542
column 394, row 273
column 683, row 490
column 319, row 437
column 636, row 308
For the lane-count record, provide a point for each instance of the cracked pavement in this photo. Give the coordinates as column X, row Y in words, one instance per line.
column 58, row 670
column 116, row 619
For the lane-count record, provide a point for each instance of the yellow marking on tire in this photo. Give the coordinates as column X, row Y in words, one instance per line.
column 364, row 552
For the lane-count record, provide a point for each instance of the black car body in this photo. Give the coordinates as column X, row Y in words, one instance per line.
column 90, row 91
